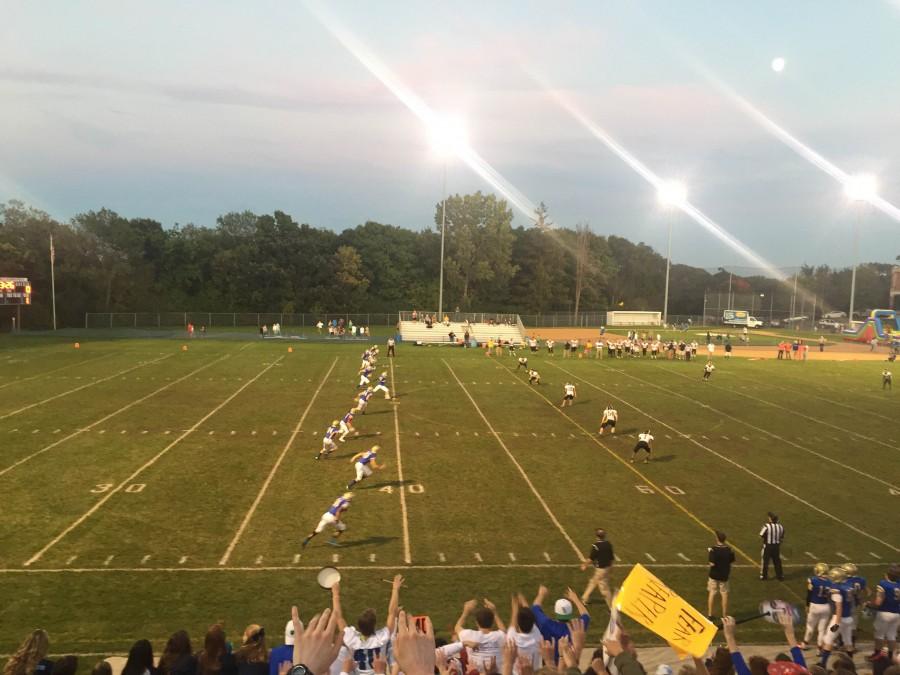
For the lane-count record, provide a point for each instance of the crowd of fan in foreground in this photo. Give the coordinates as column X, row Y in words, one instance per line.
column 533, row 643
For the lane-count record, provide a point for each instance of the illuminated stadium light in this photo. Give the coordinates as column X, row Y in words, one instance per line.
column 778, row 64
column 862, row 187
column 672, row 193
column 447, row 136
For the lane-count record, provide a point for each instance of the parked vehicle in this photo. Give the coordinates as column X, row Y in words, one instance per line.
column 740, row 317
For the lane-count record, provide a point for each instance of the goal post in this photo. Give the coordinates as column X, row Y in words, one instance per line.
column 634, row 318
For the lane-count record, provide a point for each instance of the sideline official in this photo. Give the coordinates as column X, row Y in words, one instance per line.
column 772, row 534
column 602, row 558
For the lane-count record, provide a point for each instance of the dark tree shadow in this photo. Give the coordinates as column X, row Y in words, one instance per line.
column 664, row 458
column 389, row 483
column 374, row 541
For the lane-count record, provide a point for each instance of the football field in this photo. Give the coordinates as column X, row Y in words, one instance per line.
column 145, row 489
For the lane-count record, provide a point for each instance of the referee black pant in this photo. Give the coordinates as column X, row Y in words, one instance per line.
column 771, row 553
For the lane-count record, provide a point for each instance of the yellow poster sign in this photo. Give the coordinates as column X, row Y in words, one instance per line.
column 658, row 608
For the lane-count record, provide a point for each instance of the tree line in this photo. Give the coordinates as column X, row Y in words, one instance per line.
column 251, row 262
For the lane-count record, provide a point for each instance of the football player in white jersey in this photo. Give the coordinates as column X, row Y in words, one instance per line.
column 644, row 443
column 534, row 377
column 523, row 363
column 569, row 395
column 347, row 425
column 708, row 370
column 610, row 417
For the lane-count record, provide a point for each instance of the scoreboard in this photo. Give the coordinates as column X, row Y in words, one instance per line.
column 15, row 291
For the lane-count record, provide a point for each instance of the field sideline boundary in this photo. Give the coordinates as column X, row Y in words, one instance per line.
column 734, row 463
column 753, row 426
column 407, row 554
column 512, row 457
column 809, row 417
column 382, row 568
column 109, row 416
column 265, row 486
column 85, row 386
column 56, row 370
column 96, row 507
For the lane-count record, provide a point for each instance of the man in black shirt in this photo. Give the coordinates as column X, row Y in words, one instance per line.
column 601, row 558
column 721, row 558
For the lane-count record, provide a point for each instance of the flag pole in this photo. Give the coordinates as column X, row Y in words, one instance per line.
column 53, row 279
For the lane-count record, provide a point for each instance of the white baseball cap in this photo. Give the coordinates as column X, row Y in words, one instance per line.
column 663, row 669
column 563, row 609
column 289, row 633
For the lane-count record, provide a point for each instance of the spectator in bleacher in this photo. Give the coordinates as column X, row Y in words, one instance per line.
column 178, row 656
column 415, row 315
column 466, row 338
column 563, row 609
column 140, row 659
column 67, row 665
column 446, row 320
column 253, row 657
column 283, row 653
column 215, row 659
column 31, row 656
column 486, row 643
column 101, row 668
column 524, row 632
column 452, row 337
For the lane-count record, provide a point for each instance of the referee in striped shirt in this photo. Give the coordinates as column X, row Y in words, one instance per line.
column 772, row 534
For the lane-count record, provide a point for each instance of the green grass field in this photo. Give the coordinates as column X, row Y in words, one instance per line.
column 144, row 489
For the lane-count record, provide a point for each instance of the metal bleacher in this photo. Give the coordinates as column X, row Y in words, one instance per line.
column 481, row 327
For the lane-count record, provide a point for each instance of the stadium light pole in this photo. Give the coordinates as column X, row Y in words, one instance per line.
column 861, row 188
column 671, row 194
column 448, row 138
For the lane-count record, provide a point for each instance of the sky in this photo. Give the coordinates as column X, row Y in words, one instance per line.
column 184, row 111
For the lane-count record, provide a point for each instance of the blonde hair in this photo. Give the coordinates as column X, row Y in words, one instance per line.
column 253, row 646
column 32, row 650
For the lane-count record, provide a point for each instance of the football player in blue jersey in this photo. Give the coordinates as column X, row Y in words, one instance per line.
column 841, row 624
column 887, row 619
column 365, row 463
column 818, row 609
column 328, row 444
column 860, row 593
column 334, row 516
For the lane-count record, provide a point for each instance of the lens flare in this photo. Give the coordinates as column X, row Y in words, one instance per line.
column 431, row 119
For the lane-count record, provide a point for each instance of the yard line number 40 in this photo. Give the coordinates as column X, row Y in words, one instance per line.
column 415, row 489
column 671, row 489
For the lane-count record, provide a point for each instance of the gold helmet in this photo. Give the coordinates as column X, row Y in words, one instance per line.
column 837, row 575
column 820, row 569
column 334, row 423
column 348, row 495
column 376, row 448
column 850, row 569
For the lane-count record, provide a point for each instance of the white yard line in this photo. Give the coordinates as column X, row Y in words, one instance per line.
column 315, row 568
column 84, row 386
column 793, row 412
column 107, row 417
column 37, row 556
column 736, row 464
column 513, row 459
column 268, row 481
column 55, row 370
column 756, row 428
column 407, row 555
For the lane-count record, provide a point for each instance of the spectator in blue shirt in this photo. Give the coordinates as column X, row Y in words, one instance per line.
column 283, row 652
column 564, row 609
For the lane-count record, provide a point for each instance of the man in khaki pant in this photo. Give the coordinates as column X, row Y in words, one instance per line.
column 602, row 558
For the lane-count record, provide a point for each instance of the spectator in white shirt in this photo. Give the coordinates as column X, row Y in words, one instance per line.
column 525, row 633
column 486, row 643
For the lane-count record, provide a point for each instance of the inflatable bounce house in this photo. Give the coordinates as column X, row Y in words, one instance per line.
column 882, row 324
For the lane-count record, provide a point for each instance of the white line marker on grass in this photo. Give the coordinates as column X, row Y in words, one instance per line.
column 274, row 469
column 182, row 560
column 407, row 554
column 512, row 556
column 145, row 559
column 335, row 558
column 546, row 556
column 650, row 557
column 108, row 560
column 296, row 558
column 875, row 555
column 478, row 557
column 84, row 386
column 811, row 555
column 107, row 496
column 683, row 557
column 19, row 380
column 258, row 560
column 841, row 555
column 371, row 557
column 105, row 418
column 442, row 557
column 512, row 458
column 71, row 559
